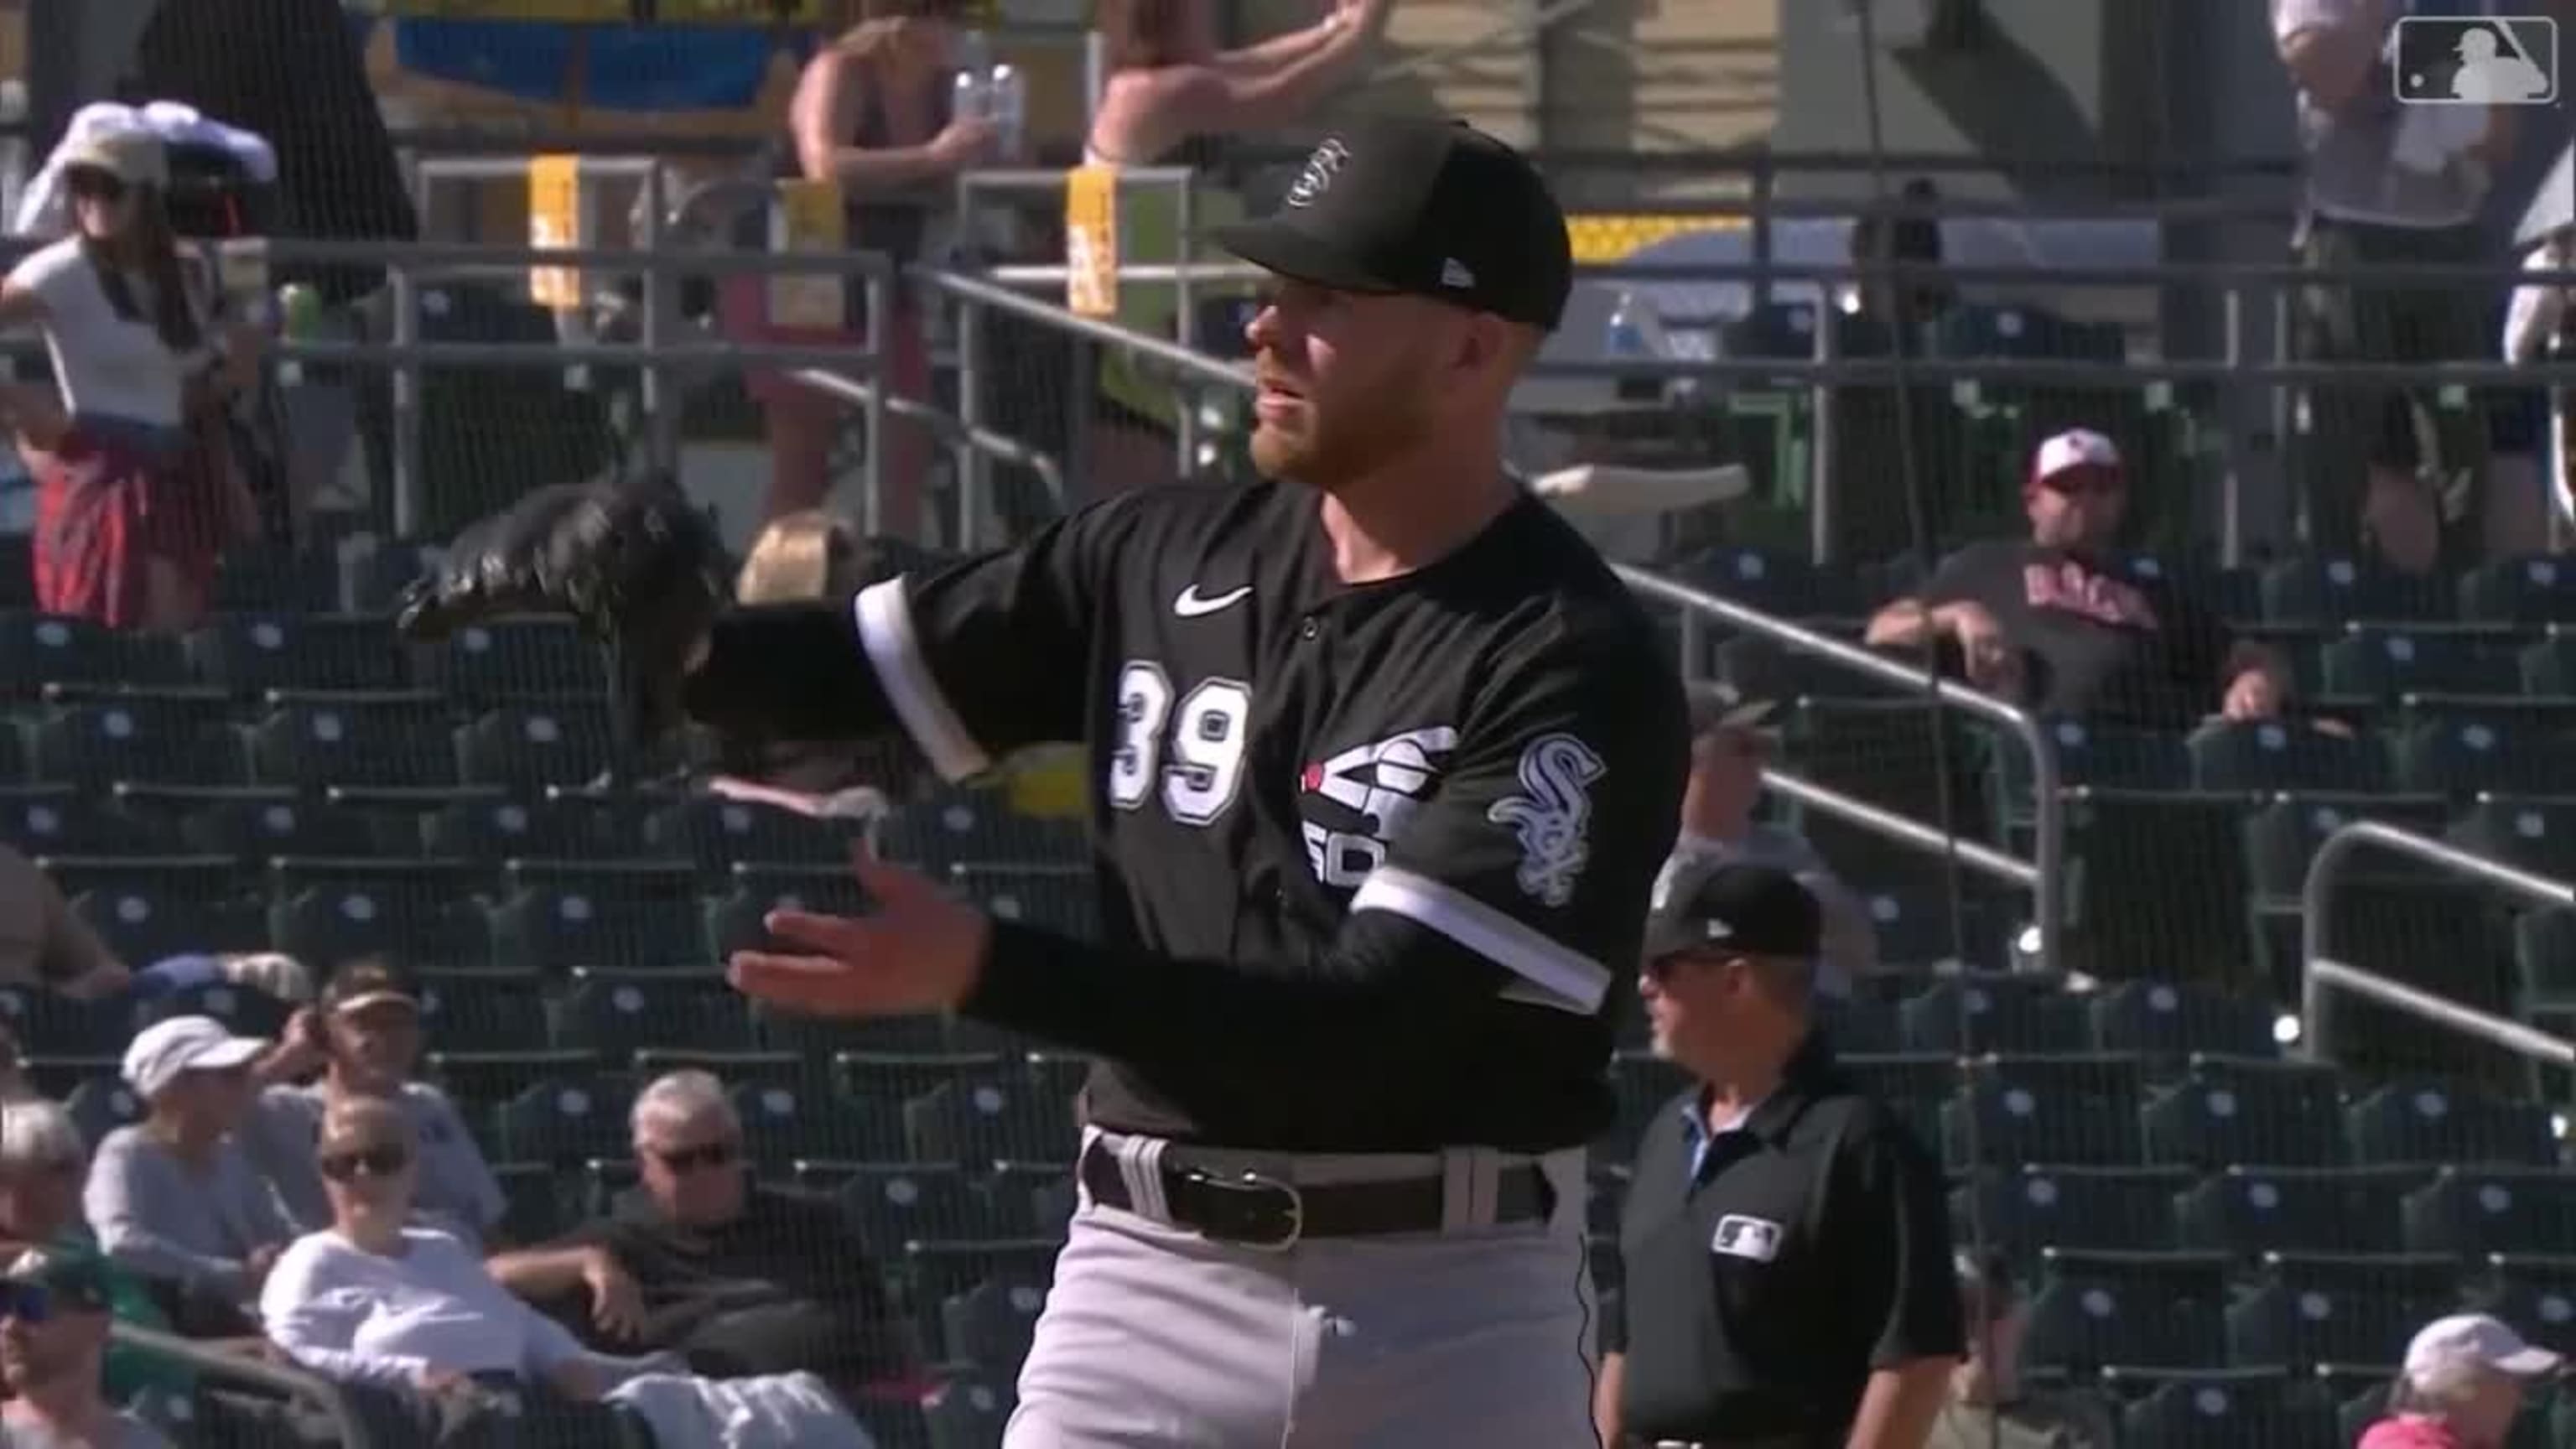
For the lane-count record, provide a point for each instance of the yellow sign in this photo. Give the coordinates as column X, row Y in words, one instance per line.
column 555, row 220
column 808, row 217
column 576, row 12
column 1091, row 241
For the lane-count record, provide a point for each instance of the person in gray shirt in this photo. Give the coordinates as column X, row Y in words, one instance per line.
column 1731, row 741
column 173, row 1197
column 54, row 1320
column 2388, row 184
column 365, row 1036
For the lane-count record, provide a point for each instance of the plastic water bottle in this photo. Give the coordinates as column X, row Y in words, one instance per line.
column 1008, row 95
column 974, row 95
column 1636, row 334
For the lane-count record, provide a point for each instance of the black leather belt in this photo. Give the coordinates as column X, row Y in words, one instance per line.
column 1256, row 1211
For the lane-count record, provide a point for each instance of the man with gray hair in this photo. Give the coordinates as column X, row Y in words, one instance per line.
column 2462, row 1386
column 741, row 1278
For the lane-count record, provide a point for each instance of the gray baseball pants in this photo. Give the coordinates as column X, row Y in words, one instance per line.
column 1479, row 1334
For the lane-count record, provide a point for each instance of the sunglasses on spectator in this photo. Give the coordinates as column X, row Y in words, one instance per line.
column 682, row 1161
column 26, row 1302
column 93, row 184
column 356, row 1162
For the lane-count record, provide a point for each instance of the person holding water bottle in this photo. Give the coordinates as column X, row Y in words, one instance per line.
column 875, row 112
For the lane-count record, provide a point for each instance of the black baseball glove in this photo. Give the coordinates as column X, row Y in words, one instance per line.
column 635, row 564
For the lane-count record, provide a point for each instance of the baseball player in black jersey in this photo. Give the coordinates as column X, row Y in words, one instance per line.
column 1385, row 761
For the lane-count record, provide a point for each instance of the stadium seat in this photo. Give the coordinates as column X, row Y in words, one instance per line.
column 2544, row 955
column 42, row 820
column 1918, row 1086
column 2249, row 1211
column 278, row 578
column 2549, row 666
column 980, row 1114
column 482, row 1081
column 2385, row 664
column 2429, row 1122
column 783, row 1122
column 618, row 1013
column 716, row 832
column 2473, row 1211
column 48, row 1023
column 1060, row 897
column 2537, row 835
column 2025, row 1209
column 2156, row 885
column 2282, row 834
column 2316, row 1308
column 40, row 649
column 734, row 918
column 647, row 918
column 525, row 748
column 2075, row 1110
column 337, row 923
column 1991, row 1013
column 967, row 823
column 254, row 823
column 1756, row 668
column 531, row 1194
column 894, row 1203
column 2468, row 752
column 251, row 654
column 2172, row 1019
column 163, row 741
column 143, row 923
column 2105, row 756
column 2155, row 1310
column 2231, row 1111
column 100, row 1106
column 387, row 741
column 1856, row 1024
column 1771, row 581
column 483, row 1009
column 2525, row 591
column 2218, row 1409
column 1883, row 751
column 2312, row 590
column 2267, row 756
column 518, row 660
column 489, row 823
column 989, row 1326
column 1030, row 1199
column 565, row 1122
column 247, row 1012
column 2537, row 1295
column 940, row 1270
column 967, row 1412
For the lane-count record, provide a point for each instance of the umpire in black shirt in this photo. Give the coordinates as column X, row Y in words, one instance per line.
column 1786, row 1240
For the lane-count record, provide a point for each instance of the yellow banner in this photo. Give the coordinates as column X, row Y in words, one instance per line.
column 1091, row 241
column 554, row 220
column 808, row 217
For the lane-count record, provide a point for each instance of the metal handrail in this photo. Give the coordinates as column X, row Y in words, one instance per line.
column 2042, row 875
column 1197, row 366
column 2323, row 973
column 347, row 1424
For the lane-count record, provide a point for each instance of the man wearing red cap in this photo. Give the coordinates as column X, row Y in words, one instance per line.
column 2053, row 622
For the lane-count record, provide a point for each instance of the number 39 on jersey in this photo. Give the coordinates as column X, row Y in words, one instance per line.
column 1187, row 748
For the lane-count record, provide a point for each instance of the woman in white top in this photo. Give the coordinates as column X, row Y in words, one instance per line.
column 1170, row 86
column 373, row 1300
column 136, row 497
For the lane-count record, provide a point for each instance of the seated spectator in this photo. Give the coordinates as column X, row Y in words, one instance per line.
column 2463, row 1384
column 2046, row 622
column 42, row 1164
column 1730, row 745
column 371, row 1299
column 1988, row 1407
column 741, row 1279
column 43, row 944
column 173, row 1197
column 54, row 1316
column 365, row 1036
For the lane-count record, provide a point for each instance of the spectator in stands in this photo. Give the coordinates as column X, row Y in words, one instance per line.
column 42, row 1163
column 54, row 1317
column 374, row 1299
column 1989, row 1407
column 1731, row 742
column 2048, row 621
column 173, row 1197
column 136, row 494
column 742, row 1279
column 364, row 1036
column 2463, row 1384
column 2541, row 323
column 2387, row 184
column 1169, row 90
column 43, row 943
column 872, row 113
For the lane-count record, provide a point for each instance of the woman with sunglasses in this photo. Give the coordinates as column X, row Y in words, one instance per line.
column 373, row 1300
column 136, row 495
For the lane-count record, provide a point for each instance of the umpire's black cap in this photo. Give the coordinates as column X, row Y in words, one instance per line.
column 1760, row 910
column 1432, row 208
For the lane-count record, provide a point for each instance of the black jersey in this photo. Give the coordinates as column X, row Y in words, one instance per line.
column 1373, row 858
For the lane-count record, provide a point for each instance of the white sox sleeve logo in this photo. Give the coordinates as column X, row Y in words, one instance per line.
column 1552, row 815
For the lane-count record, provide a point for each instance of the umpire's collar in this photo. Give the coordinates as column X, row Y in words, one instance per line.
column 1809, row 1073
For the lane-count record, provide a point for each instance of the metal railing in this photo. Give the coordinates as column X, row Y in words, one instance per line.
column 2324, row 975
column 348, row 1426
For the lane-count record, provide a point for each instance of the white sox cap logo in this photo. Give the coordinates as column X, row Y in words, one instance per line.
column 1552, row 815
column 1320, row 170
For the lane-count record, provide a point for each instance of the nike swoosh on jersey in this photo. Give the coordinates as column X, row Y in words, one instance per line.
column 1190, row 606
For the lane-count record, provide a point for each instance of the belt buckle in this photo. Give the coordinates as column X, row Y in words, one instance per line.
column 1291, row 1210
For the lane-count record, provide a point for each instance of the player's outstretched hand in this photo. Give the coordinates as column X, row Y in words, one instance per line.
column 919, row 951
column 635, row 564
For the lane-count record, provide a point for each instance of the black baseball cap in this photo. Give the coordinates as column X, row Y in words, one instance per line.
column 1429, row 208
column 1760, row 910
